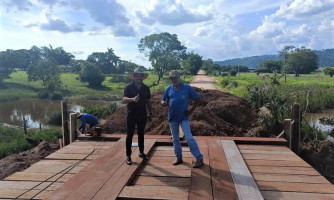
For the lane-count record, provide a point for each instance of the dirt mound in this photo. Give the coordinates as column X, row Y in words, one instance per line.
column 219, row 114
column 320, row 155
column 23, row 160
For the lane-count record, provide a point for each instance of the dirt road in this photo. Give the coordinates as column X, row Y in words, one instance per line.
column 202, row 81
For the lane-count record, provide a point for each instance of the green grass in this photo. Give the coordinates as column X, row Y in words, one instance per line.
column 13, row 140
column 18, row 87
column 321, row 85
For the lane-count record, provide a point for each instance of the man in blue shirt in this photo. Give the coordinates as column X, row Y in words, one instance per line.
column 176, row 96
column 87, row 118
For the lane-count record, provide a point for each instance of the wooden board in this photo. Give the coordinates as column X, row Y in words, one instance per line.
column 273, row 195
column 162, row 181
column 201, row 187
column 154, row 192
column 222, row 181
column 286, row 163
column 151, row 171
column 96, row 174
column 284, row 170
column 296, row 187
column 271, row 157
column 289, row 178
column 114, row 185
column 263, row 147
column 185, row 154
column 244, row 183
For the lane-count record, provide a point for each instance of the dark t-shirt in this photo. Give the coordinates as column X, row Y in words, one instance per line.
column 137, row 108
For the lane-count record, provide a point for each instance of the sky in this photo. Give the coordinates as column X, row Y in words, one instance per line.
column 216, row 29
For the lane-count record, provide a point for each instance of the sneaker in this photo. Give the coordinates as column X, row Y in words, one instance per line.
column 198, row 164
column 143, row 155
column 178, row 161
column 128, row 160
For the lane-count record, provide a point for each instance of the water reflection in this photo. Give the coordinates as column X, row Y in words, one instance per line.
column 313, row 119
column 37, row 112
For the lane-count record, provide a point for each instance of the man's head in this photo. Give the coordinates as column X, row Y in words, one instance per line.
column 79, row 115
column 174, row 76
column 138, row 75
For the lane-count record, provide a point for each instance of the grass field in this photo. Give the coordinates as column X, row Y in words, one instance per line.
column 321, row 87
column 18, row 87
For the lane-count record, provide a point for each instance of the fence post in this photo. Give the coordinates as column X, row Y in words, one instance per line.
column 295, row 137
column 24, row 125
column 66, row 137
column 287, row 131
column 73, row 127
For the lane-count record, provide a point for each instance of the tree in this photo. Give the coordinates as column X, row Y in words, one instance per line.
column 270, row 66
column 44, row 70
column 302, row 61
column 91, row 73
column 164, row 51
column 192, row 63
column 210, row 68
column 106, row 61
column 5, row 67
column 329, row 71
column 58, row 55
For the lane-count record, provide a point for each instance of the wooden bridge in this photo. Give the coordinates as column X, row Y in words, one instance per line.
column 235, row 168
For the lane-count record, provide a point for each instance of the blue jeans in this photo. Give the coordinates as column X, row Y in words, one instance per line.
column 193, row 146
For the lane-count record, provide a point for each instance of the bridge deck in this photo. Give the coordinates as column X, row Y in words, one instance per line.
column 235, row 168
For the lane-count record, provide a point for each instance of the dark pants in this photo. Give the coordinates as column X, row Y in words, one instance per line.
column 131, row 122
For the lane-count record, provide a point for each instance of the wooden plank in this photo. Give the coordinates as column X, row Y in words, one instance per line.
column 167, row 160
column 186, row 154
column 296, row 187
column 61, row 156
column 96, row 174
column 243, row 180
column 290, row 178
column 284, row 170
column 201, row 187
column 273, row 153
column 33, row 176
column 154, row 192
column 286, row 163
column 22, row 185
column 162, row 181
column 222, row 182
column 270, row 157
column 14, row 193
column 152, row 171
column 169, row 165
column 263, row 147
column 169, row 148
column 273, row 195
column 123, row 175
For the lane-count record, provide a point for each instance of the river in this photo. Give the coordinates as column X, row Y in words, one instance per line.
column 38, row 112
column 313, row 119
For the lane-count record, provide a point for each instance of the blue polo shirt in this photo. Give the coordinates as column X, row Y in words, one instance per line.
column 89, row 119
column 178, row 101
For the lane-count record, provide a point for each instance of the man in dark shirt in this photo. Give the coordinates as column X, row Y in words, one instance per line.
column 137, row 95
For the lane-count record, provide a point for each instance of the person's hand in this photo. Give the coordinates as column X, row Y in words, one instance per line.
column 136, row 98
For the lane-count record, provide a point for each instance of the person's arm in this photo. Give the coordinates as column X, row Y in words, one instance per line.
column 189, row 112
column 127, row 100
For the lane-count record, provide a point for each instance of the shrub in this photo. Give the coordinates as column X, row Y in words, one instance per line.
column 233, row 73
column 225, row 82
column 120, row 78
column 224, row 74
column 100, row 111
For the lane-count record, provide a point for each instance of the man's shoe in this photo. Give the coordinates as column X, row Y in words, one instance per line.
column 198, row 164
column 144, row 156
column 178, row 161
column 128, row 160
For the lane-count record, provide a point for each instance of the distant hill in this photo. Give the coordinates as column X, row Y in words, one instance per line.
column 326, row 58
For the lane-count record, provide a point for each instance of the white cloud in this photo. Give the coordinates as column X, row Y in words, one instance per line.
column 170, row 12
column 306, row 9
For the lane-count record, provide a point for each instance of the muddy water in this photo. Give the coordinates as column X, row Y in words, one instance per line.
column 313, row 119
column 37, row 112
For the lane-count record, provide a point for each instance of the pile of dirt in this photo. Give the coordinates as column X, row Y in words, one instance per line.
column 19, row 162
column 320, row 154
column 219, row 114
